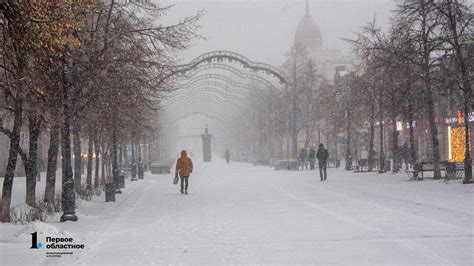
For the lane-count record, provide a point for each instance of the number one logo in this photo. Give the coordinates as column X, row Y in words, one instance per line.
column 34, row 241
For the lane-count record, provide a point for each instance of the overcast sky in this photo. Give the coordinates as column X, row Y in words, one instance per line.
column 264, row 30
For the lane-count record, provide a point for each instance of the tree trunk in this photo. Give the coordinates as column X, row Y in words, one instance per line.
column 413, row 156
column 348, row 143
column 463, row 67
column 125, row 156
column 31, row 161
column 467, row 156
column 115, row 169
column 12, row 159
column 372, row 137
column 139, row 151
column 52, row 164
column 433, row 127
column 120, row 157
column 97, row 163
column 426, row 46
column 319, row 134
column 382, row 154
column 104, row 164
column 89, row 164
column 77, row 159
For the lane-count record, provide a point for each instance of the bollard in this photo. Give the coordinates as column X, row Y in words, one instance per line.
column 388, row 166
column 134, row 172
column 121, row 181
column 141, row 174
column 109, row 192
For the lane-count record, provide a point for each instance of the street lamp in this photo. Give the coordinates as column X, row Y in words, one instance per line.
column 68, row 195
column 342, row 99
column 382, row 154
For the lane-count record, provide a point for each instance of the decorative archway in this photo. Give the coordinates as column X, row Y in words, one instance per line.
column 220, row 56
column 217, row 84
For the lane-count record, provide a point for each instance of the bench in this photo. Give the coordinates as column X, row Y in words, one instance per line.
column 423, row 167
column 454, row 170
column 287, row 165
column 265, row 162
column 361, row 166
column 413, row 173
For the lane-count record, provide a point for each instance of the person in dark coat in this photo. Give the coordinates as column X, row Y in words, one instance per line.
column 322, row 156
column 312, row 158
column 227, row 156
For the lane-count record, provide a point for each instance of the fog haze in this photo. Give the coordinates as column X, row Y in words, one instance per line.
column 264, row 30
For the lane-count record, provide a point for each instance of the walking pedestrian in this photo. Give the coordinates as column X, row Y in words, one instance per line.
column 227, row 156
column 322, row 156
column 184, row 168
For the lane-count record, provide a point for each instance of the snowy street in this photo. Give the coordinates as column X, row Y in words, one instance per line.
column 239, row 213
column 99, row 98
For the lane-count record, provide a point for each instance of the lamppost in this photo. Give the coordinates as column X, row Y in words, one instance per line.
column 134, row 164
column 382, row 154
column 341, row 101
column 68, row 194
column 115, row 167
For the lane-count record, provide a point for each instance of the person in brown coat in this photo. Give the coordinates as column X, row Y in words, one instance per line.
column 184, row 168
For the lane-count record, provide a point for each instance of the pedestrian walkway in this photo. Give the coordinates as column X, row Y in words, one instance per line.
column 239, row 213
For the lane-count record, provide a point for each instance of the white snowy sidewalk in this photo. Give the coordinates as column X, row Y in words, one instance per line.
column 239, row 213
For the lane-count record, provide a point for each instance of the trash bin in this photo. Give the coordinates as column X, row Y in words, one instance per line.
column 109, row 192
column 388, row 165
column 121, row 181
column 134, row 172
column 450, row 170
column 141, row 174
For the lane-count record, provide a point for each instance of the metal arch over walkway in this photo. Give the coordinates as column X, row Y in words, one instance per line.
column 227, row 88
column 232, row 70
column 206, row 84
column 223, row 90
column 224, row 78
column 214, row 88
column 214, row 100
column 176, row 119
column 206, row 100
column 183, row 111
column 220, row 56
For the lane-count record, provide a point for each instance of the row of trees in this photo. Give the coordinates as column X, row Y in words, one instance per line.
column 90, row 71
column 421, row 64
column 274, row 120
column 417, row 71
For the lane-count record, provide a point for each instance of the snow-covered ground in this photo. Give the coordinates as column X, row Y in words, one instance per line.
column 239, row 213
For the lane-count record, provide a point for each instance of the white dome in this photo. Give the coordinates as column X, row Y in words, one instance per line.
column 308, row 33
